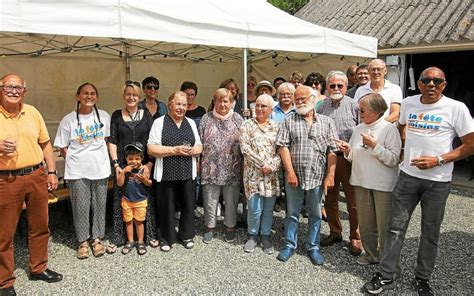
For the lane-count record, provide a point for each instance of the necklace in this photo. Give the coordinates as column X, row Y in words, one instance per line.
column 134, row 116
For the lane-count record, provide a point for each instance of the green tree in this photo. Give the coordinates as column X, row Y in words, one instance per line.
column 290, row 6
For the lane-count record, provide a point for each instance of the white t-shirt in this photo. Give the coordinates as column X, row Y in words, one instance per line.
column 155, row 138
column 87, row 156
column 432, row 127
column 391, row 93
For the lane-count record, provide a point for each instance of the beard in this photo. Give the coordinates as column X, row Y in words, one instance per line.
column 336, row 96
column 304, row 109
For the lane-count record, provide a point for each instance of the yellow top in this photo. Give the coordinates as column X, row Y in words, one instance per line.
column 28, row 129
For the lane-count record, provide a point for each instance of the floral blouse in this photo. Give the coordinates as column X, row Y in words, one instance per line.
column 221, row 160
column 258, row 147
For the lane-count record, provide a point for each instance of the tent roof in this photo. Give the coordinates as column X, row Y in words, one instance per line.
column 154, row 26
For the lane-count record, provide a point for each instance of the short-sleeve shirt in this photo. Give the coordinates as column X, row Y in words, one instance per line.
column 134, row 190
column 28, row 129
column 391, row 93
column 308, row 146
column 433, row 127
column 345, row 115
column 87, row 155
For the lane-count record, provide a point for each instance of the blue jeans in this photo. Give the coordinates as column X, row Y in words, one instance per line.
column 294, row 202
column 260, row 214
column 408, row 192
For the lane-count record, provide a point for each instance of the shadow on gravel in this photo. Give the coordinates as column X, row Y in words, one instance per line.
column 453, row 270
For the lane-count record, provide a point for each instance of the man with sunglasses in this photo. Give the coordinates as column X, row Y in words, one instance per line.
column 157, row 108
column 391, row 93
column 24, row 144
column 429, row 122
column 345, row 113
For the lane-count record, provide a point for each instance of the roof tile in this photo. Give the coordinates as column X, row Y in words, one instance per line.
column 395, row 22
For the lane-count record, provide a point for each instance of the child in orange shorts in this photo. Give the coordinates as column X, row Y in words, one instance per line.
column 133, row 178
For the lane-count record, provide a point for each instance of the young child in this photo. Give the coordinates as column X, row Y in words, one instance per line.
column 133, row 179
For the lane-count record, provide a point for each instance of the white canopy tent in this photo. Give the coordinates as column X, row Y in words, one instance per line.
column 58, row 44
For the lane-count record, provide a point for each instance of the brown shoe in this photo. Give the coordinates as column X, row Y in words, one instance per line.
column 98, row 248
column 83, row 250
column 330, row 240
column 355, row 247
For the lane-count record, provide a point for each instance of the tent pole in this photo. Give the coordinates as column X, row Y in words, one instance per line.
column 244, row 60
column 127, row 60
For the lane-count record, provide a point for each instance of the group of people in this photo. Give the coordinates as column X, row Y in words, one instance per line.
column 304, row 139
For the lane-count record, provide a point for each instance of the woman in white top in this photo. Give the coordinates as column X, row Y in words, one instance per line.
column 374, row 150
column 82, row 136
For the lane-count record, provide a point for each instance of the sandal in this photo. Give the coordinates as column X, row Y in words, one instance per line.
column 188, row 243
column 165, row 247
column 141, row 249
column 83, row 250
column 111, row 249
column 127, row 248
column 154, row 243
column 98, row 248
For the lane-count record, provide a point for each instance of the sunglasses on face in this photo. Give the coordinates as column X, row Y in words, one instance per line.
column 150, row 87
column 436, row 81
column 333, row 86
column 131, row 82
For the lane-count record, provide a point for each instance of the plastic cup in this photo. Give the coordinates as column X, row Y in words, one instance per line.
column 415, row 152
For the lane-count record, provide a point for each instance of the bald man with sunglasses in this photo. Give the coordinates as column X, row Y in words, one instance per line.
column 428, row 123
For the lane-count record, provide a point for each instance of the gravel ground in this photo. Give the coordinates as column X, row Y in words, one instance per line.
column 223, row 268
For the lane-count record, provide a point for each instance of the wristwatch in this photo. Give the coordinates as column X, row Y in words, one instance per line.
column 441, row 161
column 55, row 172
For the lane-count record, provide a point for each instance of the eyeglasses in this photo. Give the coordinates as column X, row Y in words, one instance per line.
column 150, row 87
column 130, row 82
column 9, row 88
column 333, row 86
column 436, row 81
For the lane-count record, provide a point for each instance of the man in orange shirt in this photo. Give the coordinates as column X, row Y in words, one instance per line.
column 24, row 144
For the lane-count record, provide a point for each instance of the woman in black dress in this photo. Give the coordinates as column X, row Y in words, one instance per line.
column 128, row 125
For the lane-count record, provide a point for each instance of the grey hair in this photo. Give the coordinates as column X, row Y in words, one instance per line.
column 375, row 102
column 338, row 74
column 285, row 85
column 266, row 99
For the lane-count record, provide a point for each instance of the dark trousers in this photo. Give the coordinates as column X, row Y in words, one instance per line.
column 170, row 192
column 343, row 174
column 408, row 192
column 14, row 190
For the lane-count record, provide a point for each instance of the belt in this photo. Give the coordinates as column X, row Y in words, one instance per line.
column 23, row 171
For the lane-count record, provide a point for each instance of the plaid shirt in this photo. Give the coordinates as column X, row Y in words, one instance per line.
column 308, row 146
column 345, row 115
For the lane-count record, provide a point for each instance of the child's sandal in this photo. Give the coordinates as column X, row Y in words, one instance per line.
column 141, row 249
column 127, row 248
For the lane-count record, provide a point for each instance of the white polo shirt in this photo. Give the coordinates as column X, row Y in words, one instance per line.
column 391, row 93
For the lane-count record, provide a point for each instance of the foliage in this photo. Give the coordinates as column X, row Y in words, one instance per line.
column 290, row 6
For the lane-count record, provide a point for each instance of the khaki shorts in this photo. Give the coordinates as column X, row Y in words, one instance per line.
column 134, row 210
